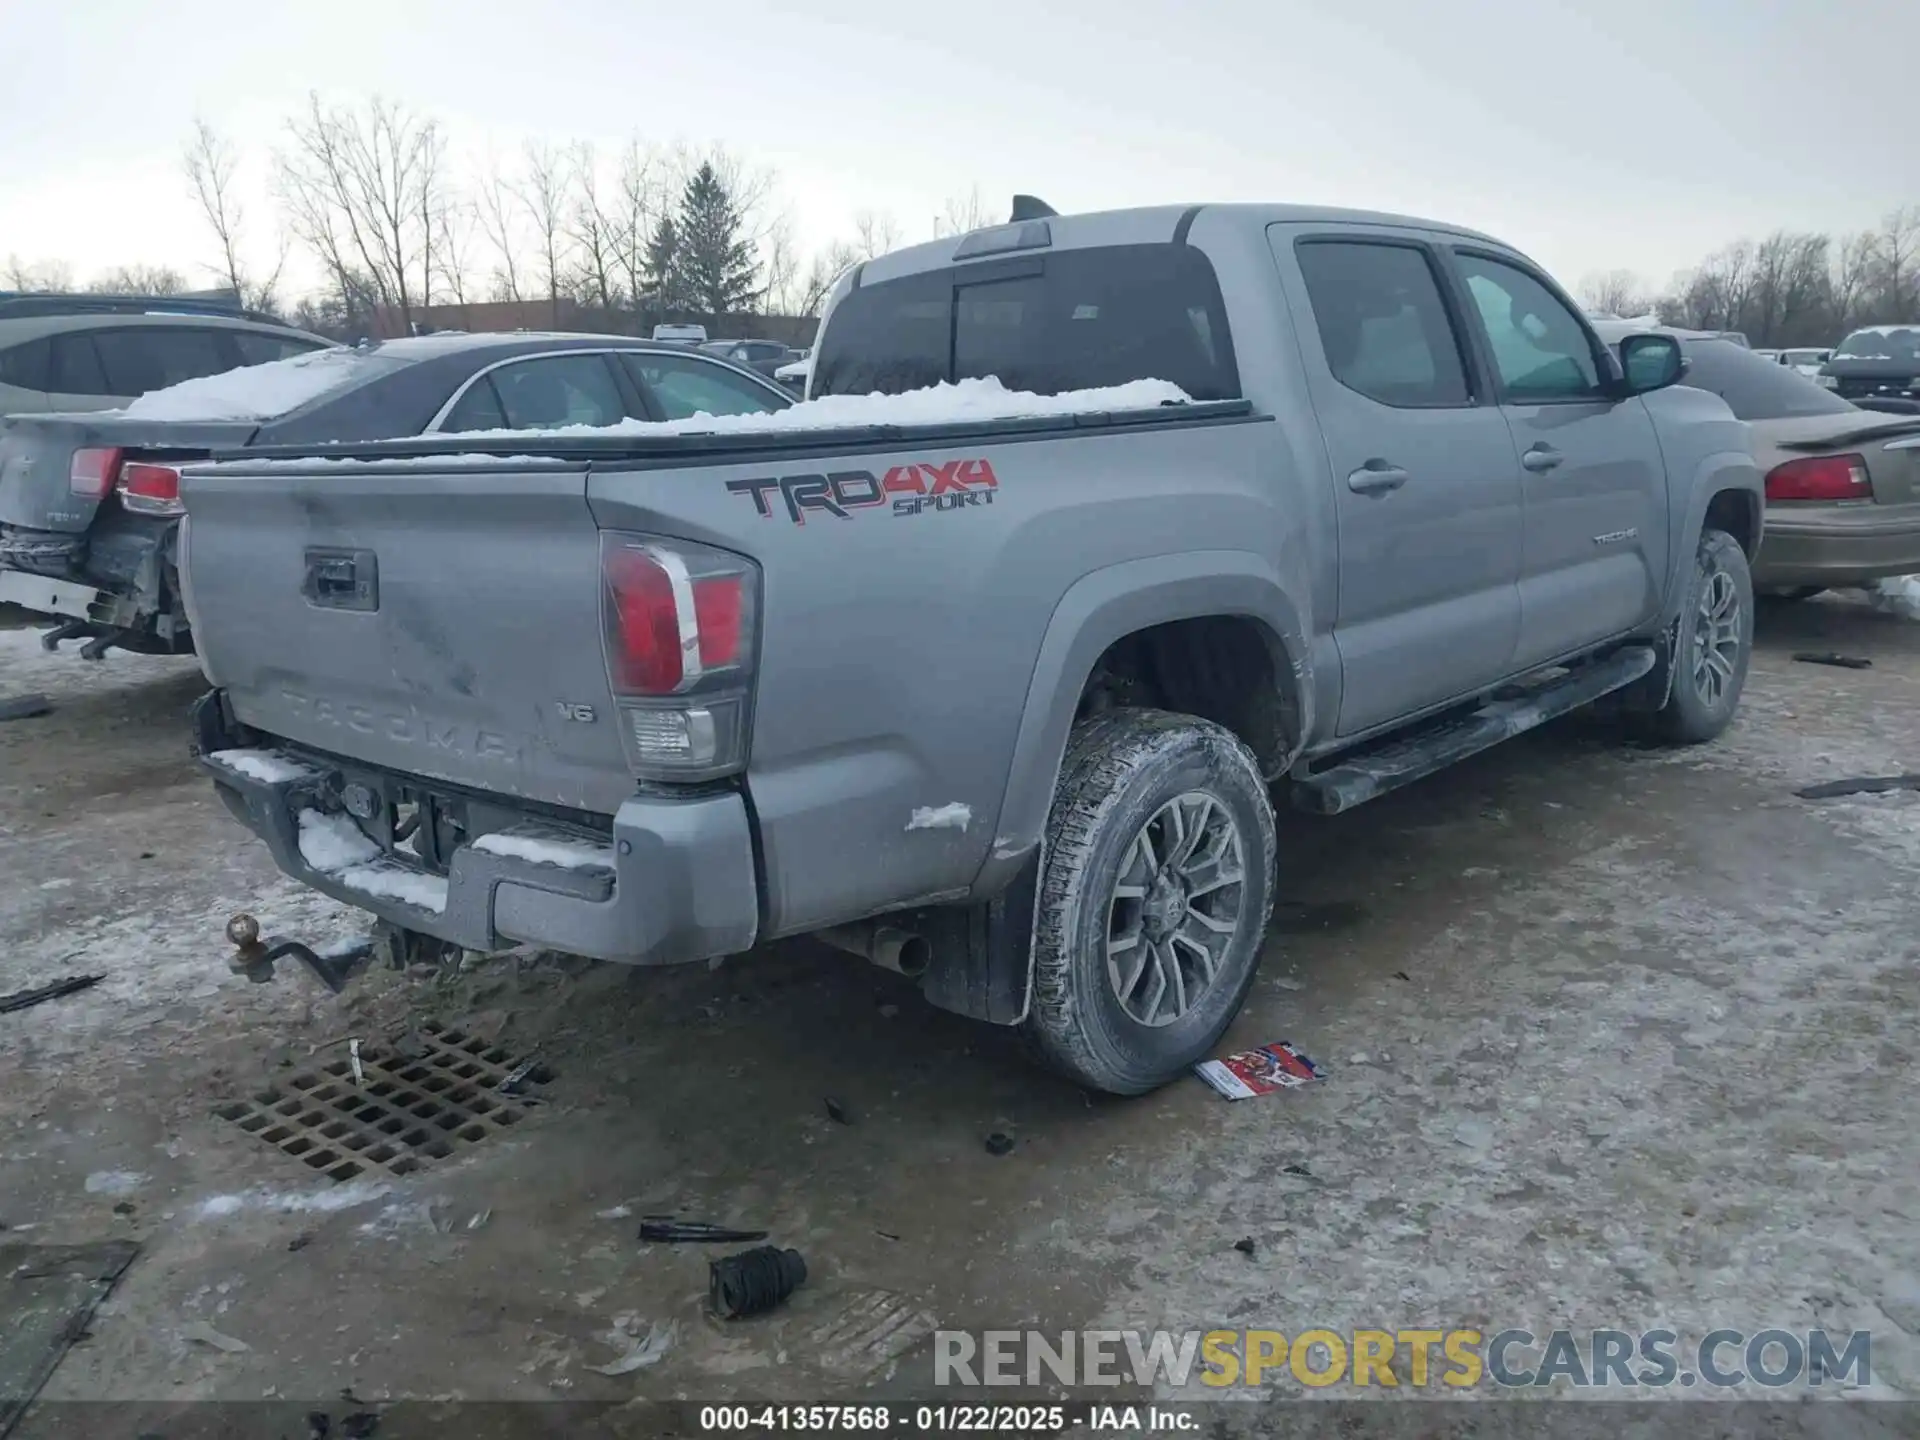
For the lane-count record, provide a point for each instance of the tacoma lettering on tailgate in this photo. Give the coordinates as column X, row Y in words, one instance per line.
column 913, row 490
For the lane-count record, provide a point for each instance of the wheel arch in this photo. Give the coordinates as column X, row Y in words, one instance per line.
column 1236, row 593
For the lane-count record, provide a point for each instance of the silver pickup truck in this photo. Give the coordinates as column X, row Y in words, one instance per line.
column 1002, row 703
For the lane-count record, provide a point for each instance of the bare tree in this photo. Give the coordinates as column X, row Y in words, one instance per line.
column 138, row 280
column 360, row 186
column 1852, row 274
column 594, row 228
column 211, row 165
column 543, row 195
column 963, row 213
column 497, row 210
column 828, row 266
column 453, row 252
column 42, row 276
column 781, row 284
column 1615, row 292
column 1897, row 265
column 875, row 232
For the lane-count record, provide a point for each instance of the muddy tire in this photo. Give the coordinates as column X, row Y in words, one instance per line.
column 1154, row 899
column 1715, row 644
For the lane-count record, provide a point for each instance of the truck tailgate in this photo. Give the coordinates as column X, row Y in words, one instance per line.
column 440, row 618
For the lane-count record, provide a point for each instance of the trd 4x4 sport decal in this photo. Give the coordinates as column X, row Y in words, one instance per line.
column 913, row 489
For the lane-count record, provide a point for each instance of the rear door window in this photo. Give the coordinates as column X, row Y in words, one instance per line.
column 682, row 387
column 479, row 409
column 558, row 390
column 1067, row 320
column 154, row 357
column 257, row 349
column 75, row 367
column 26, row 366
column 1382, row 323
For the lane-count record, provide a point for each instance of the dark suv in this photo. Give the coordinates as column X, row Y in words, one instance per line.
column 96, row 352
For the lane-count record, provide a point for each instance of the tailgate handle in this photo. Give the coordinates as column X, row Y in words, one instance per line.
column 342, row 580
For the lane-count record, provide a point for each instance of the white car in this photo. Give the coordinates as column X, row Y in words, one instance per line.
column 795, row 373
column 681, row 334
column 1807, row 362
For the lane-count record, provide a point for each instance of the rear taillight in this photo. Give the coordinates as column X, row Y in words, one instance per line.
column 1825, row 477
column 150, row 489
column 679, row 622
column 92, row 472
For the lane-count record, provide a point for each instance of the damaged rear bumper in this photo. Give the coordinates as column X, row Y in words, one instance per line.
column 673, row 880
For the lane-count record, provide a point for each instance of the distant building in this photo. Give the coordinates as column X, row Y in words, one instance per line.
column 569, row 315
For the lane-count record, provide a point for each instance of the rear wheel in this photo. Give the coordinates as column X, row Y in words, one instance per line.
column 1715, row 644
column 1157, row 887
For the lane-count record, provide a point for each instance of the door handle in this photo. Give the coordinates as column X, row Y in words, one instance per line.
column 1541, row 458
column 1377, row 477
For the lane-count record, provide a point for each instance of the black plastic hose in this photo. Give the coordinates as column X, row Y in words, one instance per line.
column 754, row 1281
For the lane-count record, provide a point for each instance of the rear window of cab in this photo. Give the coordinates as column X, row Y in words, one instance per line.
column 1065, row 320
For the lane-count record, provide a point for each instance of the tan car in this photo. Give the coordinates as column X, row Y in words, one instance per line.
column 1843, row 483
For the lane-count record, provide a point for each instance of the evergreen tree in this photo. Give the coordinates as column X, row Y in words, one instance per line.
column 665, row 286
column 718, row 262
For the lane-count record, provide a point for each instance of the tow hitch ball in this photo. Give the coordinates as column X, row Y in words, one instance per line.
column 253, row 956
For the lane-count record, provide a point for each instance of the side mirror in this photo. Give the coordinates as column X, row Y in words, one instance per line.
column 1651, row 362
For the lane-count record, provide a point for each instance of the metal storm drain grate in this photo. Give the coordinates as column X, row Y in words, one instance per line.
column 403, row 1111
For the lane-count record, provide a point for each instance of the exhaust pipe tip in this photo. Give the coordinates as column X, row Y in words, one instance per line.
column 901, row 951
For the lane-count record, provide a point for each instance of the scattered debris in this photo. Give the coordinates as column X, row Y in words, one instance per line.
column 1299, row 1171
column 203, row 1333
column 615, row 1212
column 519, row 1075
column 114, row 1182
column 24, row 999
column 48, row 1293
column 999, row 1143
column 1402, row 975
column 1287, row 982
column 1831, row 657
column 1245, row 1246
column 300, row 1241
column 754, row 1281
column 353, row 1054
column 24, row 707
column 886, row 1235
column 837, row 1111
column 479, row 1218
column 1359, row 1057
column 1259, row 1072
column 1863, row 785
column 641, row 1352
column 667, row 1230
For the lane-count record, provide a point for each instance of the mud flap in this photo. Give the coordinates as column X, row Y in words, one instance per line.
column 1648, row 695
column 982, row 953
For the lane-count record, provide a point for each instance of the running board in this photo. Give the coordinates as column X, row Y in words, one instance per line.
column 1354, row 781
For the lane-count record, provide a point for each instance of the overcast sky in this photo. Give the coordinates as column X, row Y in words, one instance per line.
column 1592, row 133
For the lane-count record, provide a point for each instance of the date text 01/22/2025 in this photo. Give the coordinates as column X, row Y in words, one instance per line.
column 962, row 1419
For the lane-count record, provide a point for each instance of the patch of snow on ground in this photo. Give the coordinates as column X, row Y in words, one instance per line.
column 267, row 766
column 306, row 1202
column 567, row 854
column 25, row 666
column 115, row 1182
column 1899, row 594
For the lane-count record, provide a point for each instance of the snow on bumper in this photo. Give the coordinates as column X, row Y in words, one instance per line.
column 676, row 882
